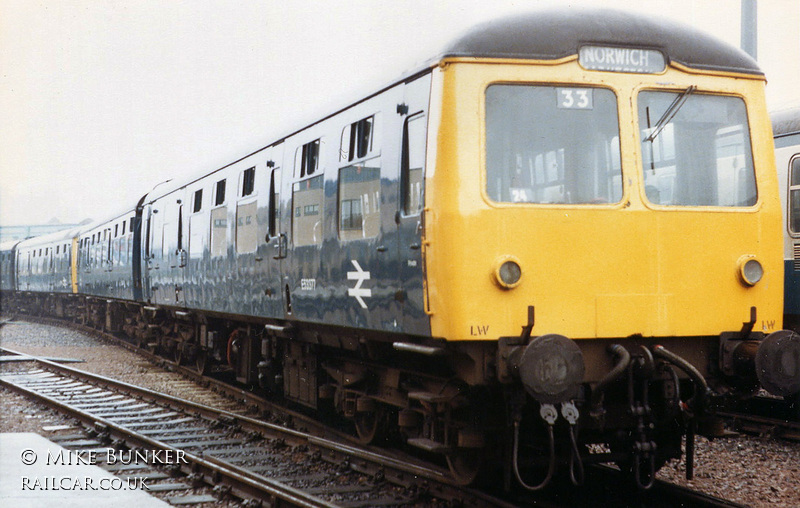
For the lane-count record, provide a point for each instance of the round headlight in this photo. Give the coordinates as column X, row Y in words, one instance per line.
column 508, row 274
column 750, row 270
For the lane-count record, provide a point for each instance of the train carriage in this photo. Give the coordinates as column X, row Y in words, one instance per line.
column 44, row 271
column 562, row 231
column 8, row 272
column 786, row 129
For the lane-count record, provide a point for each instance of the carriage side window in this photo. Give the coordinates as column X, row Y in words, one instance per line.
column 219, row 222
column 696, row 149
column 248, row 181
column 552, row 145
column 219, row 194
column 360, row 200
column 358, row 140
column 794, row 195
column 197, row 205
column 309, row 158
column 307, row 201
column 412, row 164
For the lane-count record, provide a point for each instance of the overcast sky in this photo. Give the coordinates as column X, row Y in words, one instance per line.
column 101, row 100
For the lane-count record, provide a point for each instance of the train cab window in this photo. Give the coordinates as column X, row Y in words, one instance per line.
column 358, row 140
column 552, row 145
column 794, row 195
column 197, row 203
column 219, row 193
column 696, row 149
column 412, row 164
column 360, row 200
column 248, row 181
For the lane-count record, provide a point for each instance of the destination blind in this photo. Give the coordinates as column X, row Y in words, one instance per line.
column 638, row 60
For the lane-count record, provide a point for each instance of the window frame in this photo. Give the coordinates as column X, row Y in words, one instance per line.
column 248, row 183
column 639, row 130
column 789, row 188
column 558, row 153
column 220, row 189
column 405, row 167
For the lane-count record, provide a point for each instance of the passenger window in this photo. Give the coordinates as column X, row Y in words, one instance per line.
column 219, row 231
column 360, row 200
column 248, row 181
column 219, row 197
column 246, row 228
column 357, row 140
column 307, row 200
column 794, row 195
column 412, row 164
column 307, row 159
column 198, row 201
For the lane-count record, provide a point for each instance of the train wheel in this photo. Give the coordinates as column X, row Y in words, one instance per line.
column 201, row 363
column 465, row 464
column 369, row 420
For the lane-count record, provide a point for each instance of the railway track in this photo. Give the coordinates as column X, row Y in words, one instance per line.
column 230, row 447
column 769, row 416
column 259, row 462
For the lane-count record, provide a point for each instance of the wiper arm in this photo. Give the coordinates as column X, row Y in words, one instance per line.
column 670, row 113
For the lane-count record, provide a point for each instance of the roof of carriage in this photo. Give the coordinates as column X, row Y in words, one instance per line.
column 786, row 122
column 559, row 33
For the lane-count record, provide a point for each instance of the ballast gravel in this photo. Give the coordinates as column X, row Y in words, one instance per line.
column 753, row 470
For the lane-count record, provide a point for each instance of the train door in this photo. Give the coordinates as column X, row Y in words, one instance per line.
column 411, row 201
column 170, row 290
column 180, row 256
column 276, row 238
column 150, row 263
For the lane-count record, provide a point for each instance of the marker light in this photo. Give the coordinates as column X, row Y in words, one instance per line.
column 750, row 270
column 508, row 273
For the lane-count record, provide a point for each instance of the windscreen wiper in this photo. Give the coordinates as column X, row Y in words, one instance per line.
column 670, row 113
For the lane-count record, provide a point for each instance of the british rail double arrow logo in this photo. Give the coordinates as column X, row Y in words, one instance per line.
column 358, row 292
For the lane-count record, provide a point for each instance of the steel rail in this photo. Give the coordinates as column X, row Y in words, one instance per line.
column 244, row 483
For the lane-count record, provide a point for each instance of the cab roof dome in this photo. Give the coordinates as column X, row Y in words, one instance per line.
column 559, row 33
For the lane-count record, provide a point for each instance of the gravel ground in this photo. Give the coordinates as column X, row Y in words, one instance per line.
column 756, row 471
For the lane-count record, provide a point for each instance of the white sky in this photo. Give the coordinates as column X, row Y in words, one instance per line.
column 100, row 100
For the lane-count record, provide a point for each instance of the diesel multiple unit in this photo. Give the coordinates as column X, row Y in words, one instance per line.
column 557, row 243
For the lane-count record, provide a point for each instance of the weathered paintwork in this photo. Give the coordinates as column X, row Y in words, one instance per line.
column 594, row 270
column 222, row 258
